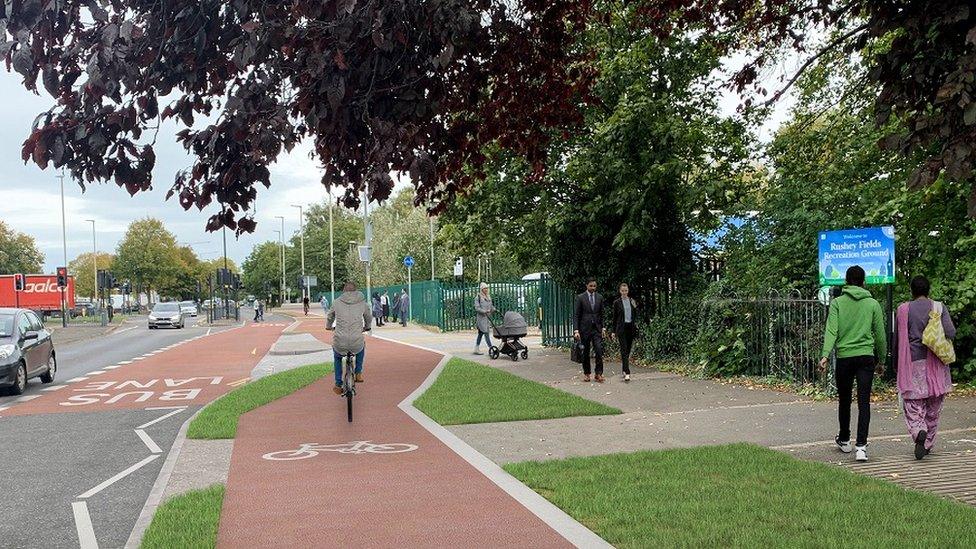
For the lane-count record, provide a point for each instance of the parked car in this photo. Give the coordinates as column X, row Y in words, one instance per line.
column 188, row 308
column 167, row 314
column 26, row 350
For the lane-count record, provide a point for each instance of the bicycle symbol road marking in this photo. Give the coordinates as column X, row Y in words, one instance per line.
column 311, row 449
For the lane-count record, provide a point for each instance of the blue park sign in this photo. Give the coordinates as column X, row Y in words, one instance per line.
column 408, row 262
column 872, row 248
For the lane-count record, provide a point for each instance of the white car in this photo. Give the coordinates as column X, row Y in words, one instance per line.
column 188, row 308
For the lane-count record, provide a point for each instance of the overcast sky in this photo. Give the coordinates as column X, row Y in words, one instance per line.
column 30, row 197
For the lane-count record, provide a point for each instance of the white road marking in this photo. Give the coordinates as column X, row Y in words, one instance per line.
column 83, row 523
column 112, row 367
column 164, row 408
column 28, row 397
column 95, row 373
column 77, row 379
column 2, row 408
column 125, row 330
column 54, row 388
column 124, row 362
column 160, row 418
column 118, row 477
column 149, row 442
column 208, row 330
column 138, row 358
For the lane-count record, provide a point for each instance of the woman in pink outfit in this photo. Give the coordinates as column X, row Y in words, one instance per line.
column 923, row 380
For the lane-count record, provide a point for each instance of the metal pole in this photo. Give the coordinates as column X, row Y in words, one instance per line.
column 94, row 263
column 409, row 295
column 226, row 304
column 282, row 243
column 301, row 225
column 64, row 244
column 431, row 219
column 331, row 251
column 366, row 237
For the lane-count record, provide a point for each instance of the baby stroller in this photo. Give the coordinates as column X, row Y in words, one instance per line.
column 512, row 328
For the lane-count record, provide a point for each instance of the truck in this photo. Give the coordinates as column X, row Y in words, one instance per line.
column 41, row 293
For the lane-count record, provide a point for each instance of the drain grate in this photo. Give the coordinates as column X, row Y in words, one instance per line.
column 952, row 475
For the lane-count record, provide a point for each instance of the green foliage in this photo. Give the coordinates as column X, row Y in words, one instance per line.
column 83, row 271
column 149, row 256
column 18, row 252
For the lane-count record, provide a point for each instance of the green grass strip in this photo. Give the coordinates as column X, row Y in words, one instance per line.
column 188, row 521
column 742, row 496
column 219, row 419
column 467, row 392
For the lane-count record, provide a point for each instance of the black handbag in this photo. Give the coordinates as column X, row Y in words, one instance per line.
column 576, row 352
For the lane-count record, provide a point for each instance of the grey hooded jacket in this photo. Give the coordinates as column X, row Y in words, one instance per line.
column 349, row 316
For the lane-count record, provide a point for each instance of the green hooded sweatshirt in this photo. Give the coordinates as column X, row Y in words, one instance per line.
column 856, row 326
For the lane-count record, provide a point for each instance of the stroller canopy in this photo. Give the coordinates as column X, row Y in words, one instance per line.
column 513, row 324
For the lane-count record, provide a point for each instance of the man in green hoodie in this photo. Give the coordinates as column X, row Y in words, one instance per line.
column 856, row 330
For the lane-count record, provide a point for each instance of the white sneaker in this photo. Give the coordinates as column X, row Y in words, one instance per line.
column 862, row 453
column 626, row 377
column 477, row 351
column 844, row 445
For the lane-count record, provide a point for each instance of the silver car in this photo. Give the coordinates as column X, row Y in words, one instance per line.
column 167, row 314
column 189, row 308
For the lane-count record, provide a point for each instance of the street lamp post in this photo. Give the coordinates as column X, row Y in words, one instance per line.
column 301, row 233
column 431, row 219
column 331, row 251
column 368, row 237
column 64, row 244
column 282, row 242
column 94, row 263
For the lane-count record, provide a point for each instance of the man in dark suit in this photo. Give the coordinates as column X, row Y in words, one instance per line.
column 588, row 328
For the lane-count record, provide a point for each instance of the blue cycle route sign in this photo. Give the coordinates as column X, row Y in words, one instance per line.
column 408, row 262
column 873, row 248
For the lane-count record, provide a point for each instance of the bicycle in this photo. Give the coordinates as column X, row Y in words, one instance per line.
column 310, row 449
column 349, row 381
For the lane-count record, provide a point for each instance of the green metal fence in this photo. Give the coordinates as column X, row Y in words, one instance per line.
column 450, row 307
column 557, row 313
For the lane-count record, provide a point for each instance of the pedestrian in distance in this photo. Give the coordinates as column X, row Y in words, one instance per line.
column 923, row 377
column 377, row 307
column 305, row 305
column 482, row 308
column 325, row 304
column 588, row 328
column 625, row 325
column 395, row 309
column 404, row 307
column 385, row 301
column 257, row 309
column 856, row 330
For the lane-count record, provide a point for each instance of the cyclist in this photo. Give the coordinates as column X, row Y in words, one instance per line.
column 349, row 317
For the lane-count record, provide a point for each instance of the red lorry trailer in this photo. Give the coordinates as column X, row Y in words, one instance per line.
column 41, row 293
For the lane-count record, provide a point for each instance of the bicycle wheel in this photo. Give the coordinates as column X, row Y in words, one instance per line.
column 290, row 455
column 394, row 448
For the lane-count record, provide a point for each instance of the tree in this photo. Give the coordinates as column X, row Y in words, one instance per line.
column 83, row 271
column 18, row 252
column 148, row 256
column 414, row 86
column 919, row 56
column 262, row 270
column 346, row 226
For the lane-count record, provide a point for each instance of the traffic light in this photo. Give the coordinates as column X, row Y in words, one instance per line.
column 62, row 277
column 19, row 282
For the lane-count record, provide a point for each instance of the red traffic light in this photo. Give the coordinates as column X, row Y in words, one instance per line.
column 19, row 282
column 62, row 277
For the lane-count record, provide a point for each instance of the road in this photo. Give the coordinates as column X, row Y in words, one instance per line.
column 80, row 456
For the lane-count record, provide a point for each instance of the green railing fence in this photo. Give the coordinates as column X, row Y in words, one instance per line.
column 557, row 313
column 450, row 306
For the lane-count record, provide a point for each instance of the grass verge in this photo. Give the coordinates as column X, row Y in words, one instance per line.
column 742, row 496
column 467, row 392
column 188, row 520
column 219, row 419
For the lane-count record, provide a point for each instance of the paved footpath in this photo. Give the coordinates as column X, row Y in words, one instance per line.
column 81, row 456
column 428, row 496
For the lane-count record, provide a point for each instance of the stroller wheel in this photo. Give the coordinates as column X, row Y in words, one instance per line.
column 493, row 352
column 525, row 354
column 514, row 357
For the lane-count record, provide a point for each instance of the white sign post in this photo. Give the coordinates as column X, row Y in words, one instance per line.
column 408, row 262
